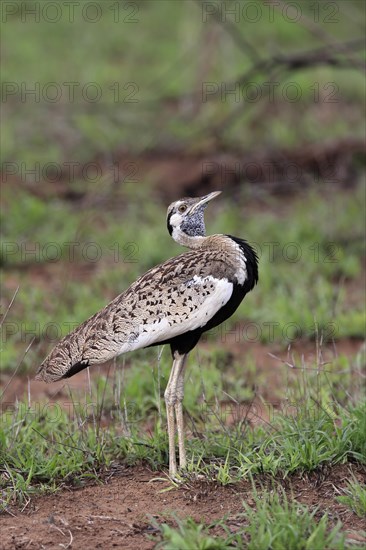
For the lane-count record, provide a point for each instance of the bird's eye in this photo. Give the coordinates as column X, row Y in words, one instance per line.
column 182, row 208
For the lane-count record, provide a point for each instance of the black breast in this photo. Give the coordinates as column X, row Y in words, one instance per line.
column 252, row 263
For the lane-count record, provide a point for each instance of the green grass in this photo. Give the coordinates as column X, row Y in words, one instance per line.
column 277, row 523
column 42, row 444
column 271, row 522
column 289, row 445
column 189, row 534
column 355, row 498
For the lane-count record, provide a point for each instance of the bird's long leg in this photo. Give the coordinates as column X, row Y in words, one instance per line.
column 169, row 396
column 171, row 436
column 179, row 413
column 173, row 401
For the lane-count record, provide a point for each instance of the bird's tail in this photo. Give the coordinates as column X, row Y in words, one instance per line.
column 93, row 342
column 65, row 359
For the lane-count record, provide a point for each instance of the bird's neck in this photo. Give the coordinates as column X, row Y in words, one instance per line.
column 187, row 240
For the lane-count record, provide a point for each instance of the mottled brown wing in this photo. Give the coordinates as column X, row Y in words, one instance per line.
column 168, row 300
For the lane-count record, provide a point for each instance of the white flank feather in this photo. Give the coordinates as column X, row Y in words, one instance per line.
column 165, row 329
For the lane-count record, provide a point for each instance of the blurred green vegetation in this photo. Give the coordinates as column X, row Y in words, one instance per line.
column 137, row 77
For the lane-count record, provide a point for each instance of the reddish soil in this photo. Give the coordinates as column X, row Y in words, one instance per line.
column 118, row 513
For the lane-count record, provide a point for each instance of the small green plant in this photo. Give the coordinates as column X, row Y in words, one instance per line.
column 275, row 523
column 189, row 535
column 271, row 522
column 354, row 497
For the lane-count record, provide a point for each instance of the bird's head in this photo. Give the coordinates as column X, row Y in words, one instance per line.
column 185, row 219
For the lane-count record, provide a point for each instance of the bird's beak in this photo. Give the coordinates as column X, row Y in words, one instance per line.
column 203, row 200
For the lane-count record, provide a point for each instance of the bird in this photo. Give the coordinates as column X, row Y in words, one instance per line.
column 173, row 303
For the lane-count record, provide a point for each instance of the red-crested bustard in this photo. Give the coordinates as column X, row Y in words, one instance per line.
column 173, row 303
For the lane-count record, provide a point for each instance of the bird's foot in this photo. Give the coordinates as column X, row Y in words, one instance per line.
column 178, row 477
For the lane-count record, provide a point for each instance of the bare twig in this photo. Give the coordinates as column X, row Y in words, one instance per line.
column 9, row 307
column 235, row 34
column 322, row 34
column 17, row 368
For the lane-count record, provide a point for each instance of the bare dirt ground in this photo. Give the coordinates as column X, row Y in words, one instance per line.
column 118, row 513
